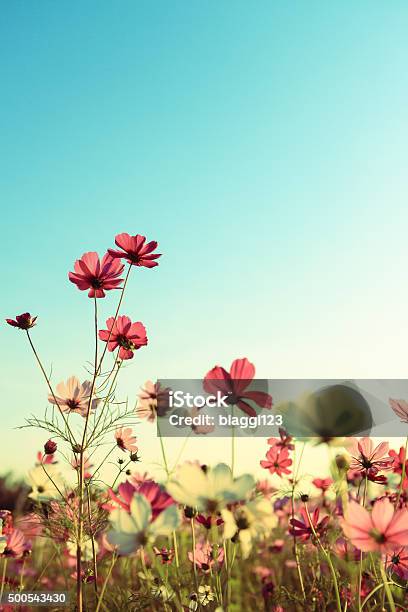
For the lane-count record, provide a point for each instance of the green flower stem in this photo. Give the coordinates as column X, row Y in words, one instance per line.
column 328, row 559
column 114, row 557
column 387, row 588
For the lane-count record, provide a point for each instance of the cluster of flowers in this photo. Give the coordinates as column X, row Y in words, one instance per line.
column 292, row 542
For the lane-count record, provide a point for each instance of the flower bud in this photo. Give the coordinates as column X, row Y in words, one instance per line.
column 341, row 462
column 189, row 512
column 50, row 447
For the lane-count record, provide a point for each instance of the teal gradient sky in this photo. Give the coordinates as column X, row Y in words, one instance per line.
column 264, row 145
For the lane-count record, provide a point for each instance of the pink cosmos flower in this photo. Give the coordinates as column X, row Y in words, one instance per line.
column 76, row 464
column 158, row 498
column 95, row 275
column 235, row 383
column 276, row 546
column 166, row 554
column 136, row 251
column 16, row 544
column 204, row 557
column 383, row 530
column 398, row 463
column 398, row 563
column 73, row 396
column 31, row 525
column 23, row 321
column 366, row 456
column 125, row 334
column 153, row 400
column 303, row 528
column 125, row 439
column 284, row 440
column 323, row 483
column 277, row 461
column 266, row 488
column 45, row 459
column 155, row 495
column 400, row 407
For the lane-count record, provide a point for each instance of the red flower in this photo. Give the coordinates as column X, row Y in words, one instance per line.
column 166, row 554
column 122, row 332
column 23, row 321
column 95, row 275
column 208, row 521
column 303, row 528
column 277, row 461
column 235, row 383
column 135, row 250
column 284, row 440
column 323, row 483
column 398, row 463
column 158, row 498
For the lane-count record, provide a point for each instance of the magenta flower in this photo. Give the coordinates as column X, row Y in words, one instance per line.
column 125, row 334
column 166, row 554
column 125, row 439
column 23, row 321
column 304, row 528
column 235, row 383
column 400, row 407
column 95, row 275
column 158, row 498
column 155, row 495
column 136, row 251
column 277, row 461
column 384, row 529
column 208, row 521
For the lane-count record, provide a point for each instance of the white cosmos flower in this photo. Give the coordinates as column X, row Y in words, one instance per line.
column 249, row 522
column 131, row 530
column 42, row 482
column 208, row 490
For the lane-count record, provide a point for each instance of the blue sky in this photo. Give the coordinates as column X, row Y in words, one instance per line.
column 263, row 145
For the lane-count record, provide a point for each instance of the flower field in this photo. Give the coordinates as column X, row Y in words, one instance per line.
column 203, row 537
